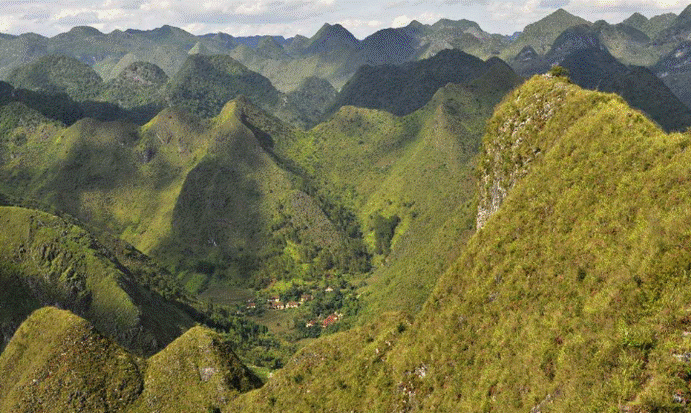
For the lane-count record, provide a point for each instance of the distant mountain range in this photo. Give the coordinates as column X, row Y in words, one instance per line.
column 335, row 55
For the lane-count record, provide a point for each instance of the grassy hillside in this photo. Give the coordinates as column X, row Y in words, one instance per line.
column 58, row 362
column 570, row 298
column 52, row 261
column 197, row 372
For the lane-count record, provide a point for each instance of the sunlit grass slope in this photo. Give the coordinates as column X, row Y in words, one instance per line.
column 58, row 362
column 572, row 297
column 207, row 197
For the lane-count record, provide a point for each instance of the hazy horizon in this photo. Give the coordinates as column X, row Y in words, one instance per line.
column 304, row 17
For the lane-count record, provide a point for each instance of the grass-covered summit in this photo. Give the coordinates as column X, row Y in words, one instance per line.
column 58, row 362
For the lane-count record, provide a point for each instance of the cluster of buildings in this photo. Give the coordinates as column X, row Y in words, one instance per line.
column 275, row 303
column 331, row 319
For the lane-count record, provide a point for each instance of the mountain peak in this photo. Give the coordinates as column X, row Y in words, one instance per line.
column 636, row 20
column 415, row 24
column 332, row 30
column 331, row 38
column 527, row 53
column 85, row 30
column 684, row 16
column 560, row 17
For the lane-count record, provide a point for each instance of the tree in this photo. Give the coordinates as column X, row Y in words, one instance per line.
column 559, row 71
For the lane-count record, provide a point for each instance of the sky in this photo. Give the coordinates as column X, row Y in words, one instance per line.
column 305, row 17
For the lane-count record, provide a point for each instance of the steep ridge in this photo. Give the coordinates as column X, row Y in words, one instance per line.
column 583, row 51
column 566, row 268
column 49, row 261
column 678, row 30
column 652, row 26
column 334, row 54
column 675, row 70
column 628, row 45
column 569, row 298
column 595, row 68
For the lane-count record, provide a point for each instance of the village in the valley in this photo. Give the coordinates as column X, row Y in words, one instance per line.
column 275, row 303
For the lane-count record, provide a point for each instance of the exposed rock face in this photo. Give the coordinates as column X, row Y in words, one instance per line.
column 511, row 145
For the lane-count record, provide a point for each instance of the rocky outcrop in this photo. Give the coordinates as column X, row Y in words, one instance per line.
column 512, row 142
